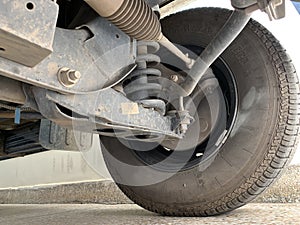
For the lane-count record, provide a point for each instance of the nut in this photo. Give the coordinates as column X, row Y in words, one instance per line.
column 68, row 77
column 174, row 78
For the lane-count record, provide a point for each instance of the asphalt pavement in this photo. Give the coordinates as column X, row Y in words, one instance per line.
column 287, row 214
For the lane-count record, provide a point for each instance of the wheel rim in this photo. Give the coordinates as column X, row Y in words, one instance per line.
column 203, row 154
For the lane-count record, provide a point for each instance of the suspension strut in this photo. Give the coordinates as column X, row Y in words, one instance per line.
column 137, row 19
column 142, row 84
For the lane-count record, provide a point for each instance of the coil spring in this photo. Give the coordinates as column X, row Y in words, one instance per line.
column 142, row 85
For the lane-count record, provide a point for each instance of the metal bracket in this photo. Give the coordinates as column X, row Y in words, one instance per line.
column 27, row 30
column 106, row 112
column 89, row 50
column 274, row 8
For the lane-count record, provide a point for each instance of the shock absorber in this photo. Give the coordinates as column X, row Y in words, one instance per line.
column 142, row 84
column 136, row 18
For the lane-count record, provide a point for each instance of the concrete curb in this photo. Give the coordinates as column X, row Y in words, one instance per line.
column 285, row 190
column 100, row 192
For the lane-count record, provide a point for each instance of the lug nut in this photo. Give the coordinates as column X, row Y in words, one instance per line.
column 68, row 77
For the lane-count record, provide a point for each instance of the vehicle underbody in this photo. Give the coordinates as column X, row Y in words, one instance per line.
column 171, row 95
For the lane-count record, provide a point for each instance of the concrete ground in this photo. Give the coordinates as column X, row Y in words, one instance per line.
column 285, row 190
column 131, row 214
